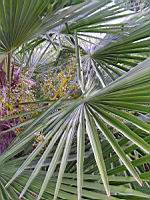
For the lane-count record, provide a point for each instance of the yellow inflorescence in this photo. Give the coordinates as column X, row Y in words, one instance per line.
column 11, row 100
column 57, row 84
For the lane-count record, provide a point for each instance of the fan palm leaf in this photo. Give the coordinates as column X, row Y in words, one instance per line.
column 95, row 145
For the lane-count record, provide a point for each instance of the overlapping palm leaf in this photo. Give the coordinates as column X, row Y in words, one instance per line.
column 21, row 21
column 120, row 53
column 99, row 109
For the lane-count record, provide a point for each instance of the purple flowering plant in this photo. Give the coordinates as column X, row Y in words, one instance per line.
column 10, row 97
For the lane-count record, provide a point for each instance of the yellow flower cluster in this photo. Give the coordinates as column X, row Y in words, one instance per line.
column 57, row 84
column 12, row 100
